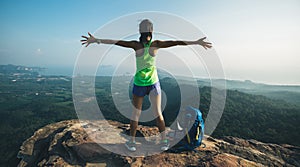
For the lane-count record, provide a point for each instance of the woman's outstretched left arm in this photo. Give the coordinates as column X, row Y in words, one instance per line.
column 166, row 44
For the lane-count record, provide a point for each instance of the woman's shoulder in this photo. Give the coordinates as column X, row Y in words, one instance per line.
column 155, row 43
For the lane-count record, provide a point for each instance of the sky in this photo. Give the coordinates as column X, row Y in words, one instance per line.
column 255, row 40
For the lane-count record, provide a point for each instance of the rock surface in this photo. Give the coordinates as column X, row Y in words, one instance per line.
column 74, row 143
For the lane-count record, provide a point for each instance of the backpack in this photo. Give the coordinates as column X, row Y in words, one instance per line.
column 190, row 118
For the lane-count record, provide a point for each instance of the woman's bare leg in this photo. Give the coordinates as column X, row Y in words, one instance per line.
column 156, row 108
column 137, row 103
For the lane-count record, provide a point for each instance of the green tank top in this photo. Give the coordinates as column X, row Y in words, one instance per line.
column 146, row 73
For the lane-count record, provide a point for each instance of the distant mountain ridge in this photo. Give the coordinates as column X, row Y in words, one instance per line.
column 108, row 71
column 288, row 93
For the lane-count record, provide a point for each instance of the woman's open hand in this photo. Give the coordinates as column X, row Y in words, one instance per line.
column 88, row 40
column 204, row 44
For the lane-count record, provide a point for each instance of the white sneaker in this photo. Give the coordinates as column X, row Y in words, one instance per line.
column 131, row 146
column 165, row 144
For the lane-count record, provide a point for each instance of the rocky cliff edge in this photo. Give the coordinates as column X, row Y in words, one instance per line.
column 74, row 143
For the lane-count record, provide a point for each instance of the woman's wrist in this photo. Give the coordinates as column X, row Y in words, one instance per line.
column 98, row 41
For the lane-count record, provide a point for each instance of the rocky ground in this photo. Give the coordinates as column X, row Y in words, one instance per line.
column 86, row 143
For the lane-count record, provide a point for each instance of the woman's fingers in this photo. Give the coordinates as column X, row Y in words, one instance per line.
column 87, row 40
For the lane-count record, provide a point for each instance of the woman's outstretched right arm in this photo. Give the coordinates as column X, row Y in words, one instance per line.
column 91, row 39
